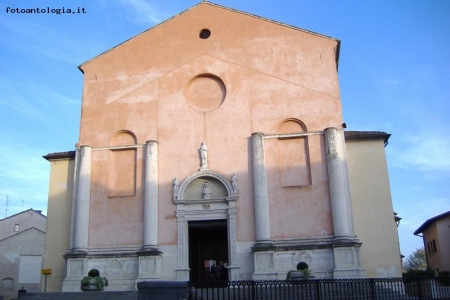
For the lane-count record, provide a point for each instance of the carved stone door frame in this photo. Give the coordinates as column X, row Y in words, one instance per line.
column 218, row 207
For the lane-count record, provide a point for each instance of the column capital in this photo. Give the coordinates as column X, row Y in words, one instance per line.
column 258, row 133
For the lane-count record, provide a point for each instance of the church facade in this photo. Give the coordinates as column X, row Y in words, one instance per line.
column 218, row 135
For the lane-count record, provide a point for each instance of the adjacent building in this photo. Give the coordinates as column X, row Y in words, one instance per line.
column 218, row 135
column 22, row 243
column 436, row 240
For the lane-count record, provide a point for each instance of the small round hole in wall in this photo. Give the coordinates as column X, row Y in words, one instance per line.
column 204, row 33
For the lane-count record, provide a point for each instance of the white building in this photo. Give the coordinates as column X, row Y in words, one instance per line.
column 22, row 245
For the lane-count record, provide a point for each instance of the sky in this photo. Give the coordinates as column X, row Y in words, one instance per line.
column 394, row 75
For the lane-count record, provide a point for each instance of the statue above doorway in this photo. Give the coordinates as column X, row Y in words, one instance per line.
column 203, row 186
column 203, row 151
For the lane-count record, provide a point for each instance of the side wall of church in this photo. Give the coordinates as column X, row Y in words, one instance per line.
column 59, row 210
column 372, row 205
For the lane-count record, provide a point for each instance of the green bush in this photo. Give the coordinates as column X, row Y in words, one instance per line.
column 302, row 266
column 94, row 273
column 427, row 273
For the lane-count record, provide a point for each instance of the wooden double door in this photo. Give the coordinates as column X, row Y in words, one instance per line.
column 208, row 242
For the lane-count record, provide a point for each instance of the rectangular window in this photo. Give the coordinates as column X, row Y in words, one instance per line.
column 434, row 246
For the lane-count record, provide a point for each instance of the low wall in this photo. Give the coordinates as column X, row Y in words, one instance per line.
column 133, row 295
column 161, row 290
column 170, row 290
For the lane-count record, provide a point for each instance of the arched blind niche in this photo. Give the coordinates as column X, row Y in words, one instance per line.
column 122, row 166
column 294, row 155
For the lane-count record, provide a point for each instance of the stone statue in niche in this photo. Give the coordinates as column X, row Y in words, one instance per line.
column 234, row 184
column 203, row 156
column 176, row 184
column 206, row 191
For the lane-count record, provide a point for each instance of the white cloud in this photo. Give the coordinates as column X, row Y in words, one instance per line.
column 425, row 151
column 32, row 101
column 24, row 175
column 41, row 40
column 142, row 12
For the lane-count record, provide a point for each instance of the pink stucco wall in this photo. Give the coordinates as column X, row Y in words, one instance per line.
column 271, row 73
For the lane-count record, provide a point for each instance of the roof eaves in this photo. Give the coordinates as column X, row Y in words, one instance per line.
column 367, row 135
column 429, row 222
column 59, row 155
column 38, row 212
column 21, row 232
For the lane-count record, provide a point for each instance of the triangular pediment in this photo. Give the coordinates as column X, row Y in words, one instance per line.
column 202, row 12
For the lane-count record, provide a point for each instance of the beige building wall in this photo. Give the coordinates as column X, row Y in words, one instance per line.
column 433, row 257
column 372, row 208
column 59, row 219
column 439, row 231
column 443, row 227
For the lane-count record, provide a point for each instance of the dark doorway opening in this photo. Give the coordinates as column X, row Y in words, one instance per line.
column 208, row 242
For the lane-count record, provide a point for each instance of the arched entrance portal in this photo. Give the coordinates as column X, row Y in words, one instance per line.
column 208, row 242
column 205, row 201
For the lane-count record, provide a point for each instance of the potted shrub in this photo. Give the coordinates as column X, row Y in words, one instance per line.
column 302, row 272
column 93, row 282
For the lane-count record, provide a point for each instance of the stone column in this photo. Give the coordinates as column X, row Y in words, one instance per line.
column 347, row 262
column 151, row 197
column 82, row 199
column 150, row 257
column 338, row 183
column 77, row 260
column 260, row 194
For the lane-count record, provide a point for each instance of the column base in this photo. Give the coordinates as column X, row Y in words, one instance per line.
column 182, row 274
column 233, row 272
column 264, row 261
column 347, row 259
column 149, row 250
column 75, row 254
column 149, row 264
column 263, row 246
column 77, row 265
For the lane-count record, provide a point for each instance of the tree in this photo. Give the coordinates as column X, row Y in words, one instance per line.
column 416, row 260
